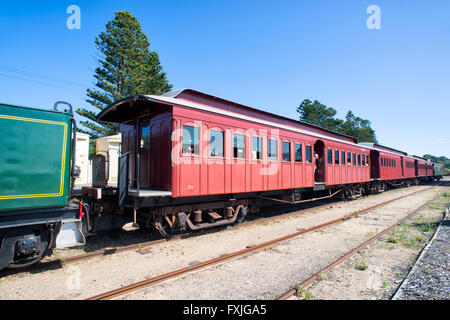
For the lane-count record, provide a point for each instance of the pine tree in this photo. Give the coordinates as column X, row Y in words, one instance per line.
column 127, row 67
column 319, row 114
column 358, row 127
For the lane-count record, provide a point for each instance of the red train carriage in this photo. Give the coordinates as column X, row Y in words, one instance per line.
column 424, row 168
column 409, row 167
column 394, row 166
column 186, row 153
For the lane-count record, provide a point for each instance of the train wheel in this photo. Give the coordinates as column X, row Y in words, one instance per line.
column 242, row 215
column 166, row 230
column 47, row 237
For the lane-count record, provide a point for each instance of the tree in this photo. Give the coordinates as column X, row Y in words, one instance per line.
column 442, row 159
column 127, row 67
column 319, row 114
column 356, row 127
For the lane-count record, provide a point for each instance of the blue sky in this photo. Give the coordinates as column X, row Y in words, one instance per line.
column 266, row 54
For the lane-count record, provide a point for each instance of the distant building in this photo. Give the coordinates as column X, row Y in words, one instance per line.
column 108, row 146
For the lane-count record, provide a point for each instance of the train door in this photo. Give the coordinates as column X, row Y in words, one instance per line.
column 128, row 145
column 319, row 161
column 374, row 164
column 143, row 161
column 401, row 163
column 416, row 169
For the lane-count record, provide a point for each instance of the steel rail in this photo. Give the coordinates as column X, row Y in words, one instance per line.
column 109, row 251
column 323, row 271
column 166, row 276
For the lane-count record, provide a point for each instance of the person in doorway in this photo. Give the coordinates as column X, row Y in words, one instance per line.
column 316, row 161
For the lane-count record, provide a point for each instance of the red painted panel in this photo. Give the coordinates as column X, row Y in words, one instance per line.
column 256, row 177
column 238, row 176
column 286, row 175
column 216, row 177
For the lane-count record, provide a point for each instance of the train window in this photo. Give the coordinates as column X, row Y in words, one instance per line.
column 336, row 156
column 354, row 159
column 216, row 143
column 349, row 158
column 363, row 160
column 330, row 156
column 298, row 152
column 343, row 158
column 359, row 160
column 367, row 160
column 273, row 154
column 256, row 148
column 286, row 151
column 308, row 154
column 238, row 145
column 191, row 141
column 145, row 134
column 395, row 166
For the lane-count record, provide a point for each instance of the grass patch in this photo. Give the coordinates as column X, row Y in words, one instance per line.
column 362, row 266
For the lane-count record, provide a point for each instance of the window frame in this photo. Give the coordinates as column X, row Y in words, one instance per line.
column 260, row 146
column 336, row 159
column 308, row 154
column 223, row 142
column 269, row 157
column 233, row 145
column 295, row 152
column 289, row 150
column 191, row 125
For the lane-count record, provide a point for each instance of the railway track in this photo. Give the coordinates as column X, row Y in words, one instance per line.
column 305, row 283
column 176, row 273
column 58, row 263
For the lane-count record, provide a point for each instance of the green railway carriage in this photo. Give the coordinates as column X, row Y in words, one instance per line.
column 36, row 161
column 438, row 170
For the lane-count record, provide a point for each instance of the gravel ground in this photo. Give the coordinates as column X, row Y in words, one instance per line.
column 268, row 274
column 376, row 272
column 261, row 275
column 430, row 277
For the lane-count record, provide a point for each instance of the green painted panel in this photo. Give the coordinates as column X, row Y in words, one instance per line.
column 35, row 153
